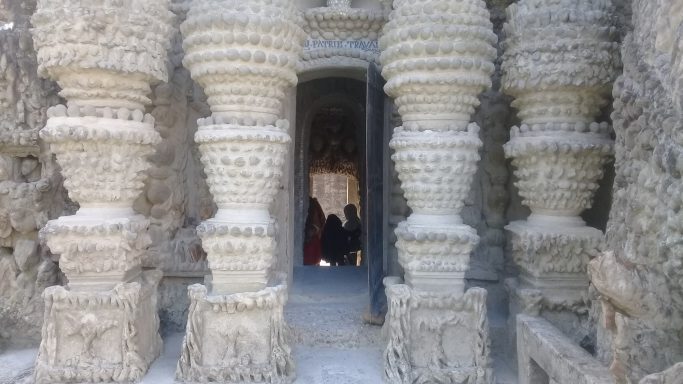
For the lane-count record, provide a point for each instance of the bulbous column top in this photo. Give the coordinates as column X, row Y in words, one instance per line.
column 244, row 55
column 103, row 53
column 560, row 59
column 437, row 57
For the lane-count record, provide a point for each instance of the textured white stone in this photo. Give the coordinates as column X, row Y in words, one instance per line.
column 436, row 337
column 437, row 57
column 546, row 355
column 559, row 63
column 237, row 338
column 341, row 37
column 104, row 56
column 435, row 86
column 243, row 144
column 103, row 53
column 99, row 336
column 245, row 57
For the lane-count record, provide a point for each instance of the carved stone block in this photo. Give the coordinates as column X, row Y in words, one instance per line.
column 105, row 336
column 554, row 259
column 436, row 337
column 237, row 338
column 98, row 255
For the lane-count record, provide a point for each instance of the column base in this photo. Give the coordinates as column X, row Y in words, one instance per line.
column 237, row 338
column 104, row 337
column 453, row 282
column 435, row 257
column 553, row 281
column 98, row 253
column 436, row 337
column 554, row 259
column 230, row 282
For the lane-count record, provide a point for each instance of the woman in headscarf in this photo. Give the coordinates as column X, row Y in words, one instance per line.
column 334, row 241
column 315, row 220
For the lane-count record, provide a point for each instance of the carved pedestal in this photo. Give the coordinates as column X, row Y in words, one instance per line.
column 241, row 338
column 436, row 337
column 553, row 261
column 100, row 336
column 435, row 65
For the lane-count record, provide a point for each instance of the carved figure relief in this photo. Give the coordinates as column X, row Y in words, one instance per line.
column 89, row 329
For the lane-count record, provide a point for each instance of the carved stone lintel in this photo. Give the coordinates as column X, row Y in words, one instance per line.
column 104, row 336
column 237, row 338
column 436, row 337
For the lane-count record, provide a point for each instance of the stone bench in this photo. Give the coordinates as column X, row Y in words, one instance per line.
column 547, row 356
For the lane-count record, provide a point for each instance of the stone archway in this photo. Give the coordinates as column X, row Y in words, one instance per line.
column 348, row 95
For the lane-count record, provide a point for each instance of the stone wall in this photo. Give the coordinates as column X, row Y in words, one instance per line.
column 176, row 197
column 30, row 184
column 639, row 276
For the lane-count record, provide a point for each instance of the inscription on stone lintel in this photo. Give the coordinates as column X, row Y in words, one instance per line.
column 362, row 45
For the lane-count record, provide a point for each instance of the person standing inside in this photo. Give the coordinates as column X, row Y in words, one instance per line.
column 353, row 230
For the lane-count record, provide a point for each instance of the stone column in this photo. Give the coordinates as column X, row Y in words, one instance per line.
column 437, row 57
column 103, row 326
column 244, row 55
column 559, row 63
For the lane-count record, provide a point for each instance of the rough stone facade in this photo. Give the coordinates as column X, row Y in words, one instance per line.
column 31, row 189
column 625, row 306
column 638, row 275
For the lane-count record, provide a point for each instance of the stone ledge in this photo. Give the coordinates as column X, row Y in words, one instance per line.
column 544, row 353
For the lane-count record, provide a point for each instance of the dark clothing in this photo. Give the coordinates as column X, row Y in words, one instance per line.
column 353, row 245
column 354, row 240
column 315, row 220
column 334, row 241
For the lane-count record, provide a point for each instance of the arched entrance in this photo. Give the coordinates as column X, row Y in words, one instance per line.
column 332, row 119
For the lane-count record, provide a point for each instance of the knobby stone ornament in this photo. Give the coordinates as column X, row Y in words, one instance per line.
column 560, row 61
column 437, row 57
column 244, row 55
column 103, row 326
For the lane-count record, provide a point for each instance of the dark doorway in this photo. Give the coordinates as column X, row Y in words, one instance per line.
column 336, row 119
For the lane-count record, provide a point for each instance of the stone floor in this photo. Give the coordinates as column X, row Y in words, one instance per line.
column 331, row 344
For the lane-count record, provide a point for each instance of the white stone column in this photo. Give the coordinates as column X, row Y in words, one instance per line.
column 244, row 55
column 437, row 56
column 103, row 326
column 560, row 61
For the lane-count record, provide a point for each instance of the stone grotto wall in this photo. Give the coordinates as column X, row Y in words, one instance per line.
column 639, row 275
column 30, row 183
column 176, row 196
